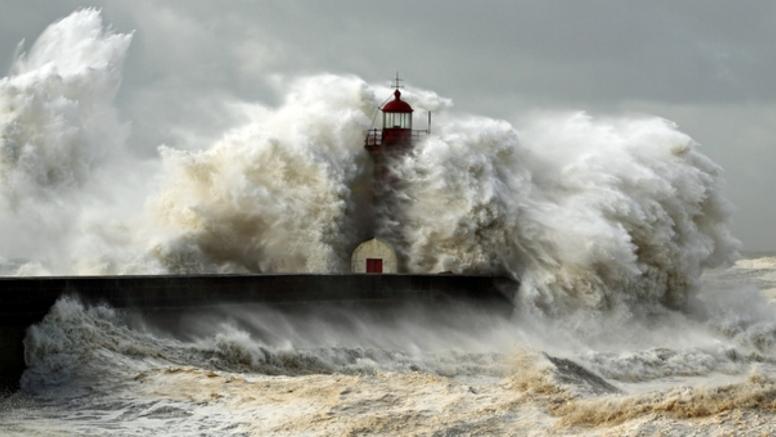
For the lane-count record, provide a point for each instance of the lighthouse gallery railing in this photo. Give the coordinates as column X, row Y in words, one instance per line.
column 374, row 137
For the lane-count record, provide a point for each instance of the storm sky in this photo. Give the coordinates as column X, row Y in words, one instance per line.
column 707, row 65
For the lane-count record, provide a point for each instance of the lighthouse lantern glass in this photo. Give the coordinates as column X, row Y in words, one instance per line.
column 401, row 120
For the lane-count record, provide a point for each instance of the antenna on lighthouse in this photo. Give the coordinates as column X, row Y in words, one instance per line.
column 397, row 81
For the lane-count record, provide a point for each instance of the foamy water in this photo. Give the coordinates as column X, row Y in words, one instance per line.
column 256, row 371
column 626, row 320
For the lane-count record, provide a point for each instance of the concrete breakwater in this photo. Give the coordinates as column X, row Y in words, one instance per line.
column 25, row 301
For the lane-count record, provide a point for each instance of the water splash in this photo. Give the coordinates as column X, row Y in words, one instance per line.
column 583, row 210
column 61, row 145
column 587, row 212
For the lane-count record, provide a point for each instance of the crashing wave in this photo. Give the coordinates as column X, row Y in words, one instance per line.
column 587, row 212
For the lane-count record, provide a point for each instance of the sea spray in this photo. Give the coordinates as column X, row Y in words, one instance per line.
column 62, row 146
column 583, row 211
column 282, row 194
column 586, row 212
column 58, row 121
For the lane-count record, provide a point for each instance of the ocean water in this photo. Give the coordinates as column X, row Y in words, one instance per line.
column 440, row 371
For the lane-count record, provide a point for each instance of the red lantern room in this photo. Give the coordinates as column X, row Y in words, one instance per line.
column 397, row 121
column 397, row 133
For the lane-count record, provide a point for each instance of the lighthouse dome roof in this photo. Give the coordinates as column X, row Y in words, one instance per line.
column 397, row 104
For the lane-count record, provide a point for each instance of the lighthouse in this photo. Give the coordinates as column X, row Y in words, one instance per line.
column 393, row 141
column 396, row 136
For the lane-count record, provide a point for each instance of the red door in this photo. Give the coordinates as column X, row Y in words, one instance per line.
column 374, row 265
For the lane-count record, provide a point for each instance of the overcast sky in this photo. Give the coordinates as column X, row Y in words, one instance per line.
column 708, row 65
